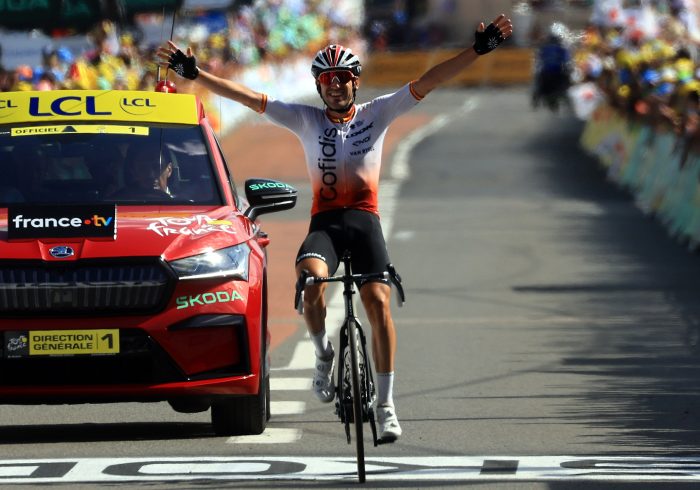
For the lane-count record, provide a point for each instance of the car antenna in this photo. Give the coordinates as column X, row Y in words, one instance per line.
column 165, row 85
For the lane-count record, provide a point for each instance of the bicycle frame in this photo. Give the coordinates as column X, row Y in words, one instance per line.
column 352, row 337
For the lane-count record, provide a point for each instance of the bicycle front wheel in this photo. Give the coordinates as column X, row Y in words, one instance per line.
column 356, row 381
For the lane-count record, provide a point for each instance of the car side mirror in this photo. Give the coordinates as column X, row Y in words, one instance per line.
column 268, row 196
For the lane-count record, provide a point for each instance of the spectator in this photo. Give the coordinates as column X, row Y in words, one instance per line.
column 257, row 31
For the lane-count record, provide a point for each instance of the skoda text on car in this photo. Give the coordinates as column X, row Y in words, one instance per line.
column 130, row 268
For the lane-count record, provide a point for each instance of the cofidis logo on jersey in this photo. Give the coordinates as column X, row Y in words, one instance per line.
column 94, row 221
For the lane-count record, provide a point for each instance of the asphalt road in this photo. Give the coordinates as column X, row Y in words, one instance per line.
column 542, row 344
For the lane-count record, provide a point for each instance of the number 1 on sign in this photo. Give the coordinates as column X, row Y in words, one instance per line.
column 110, row 340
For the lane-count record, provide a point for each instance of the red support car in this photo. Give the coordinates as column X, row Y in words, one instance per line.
column 130, row 267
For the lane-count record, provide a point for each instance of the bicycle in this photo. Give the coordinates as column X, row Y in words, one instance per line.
column 355, row 390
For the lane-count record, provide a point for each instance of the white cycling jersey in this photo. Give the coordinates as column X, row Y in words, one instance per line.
column 343, row 157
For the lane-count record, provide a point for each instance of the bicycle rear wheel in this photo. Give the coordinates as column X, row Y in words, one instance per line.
column 354, row 345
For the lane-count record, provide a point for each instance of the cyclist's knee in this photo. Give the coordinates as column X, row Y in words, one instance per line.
column 313, row 266
column 375, row 296
column 313, row 295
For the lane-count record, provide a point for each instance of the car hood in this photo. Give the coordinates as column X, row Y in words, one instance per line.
column 171, row 232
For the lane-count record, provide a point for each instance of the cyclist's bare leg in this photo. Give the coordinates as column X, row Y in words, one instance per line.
column 376, row 298
column 314, row 296
column 315, row 316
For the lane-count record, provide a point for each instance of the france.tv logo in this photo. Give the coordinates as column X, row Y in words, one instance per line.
column 61, row 221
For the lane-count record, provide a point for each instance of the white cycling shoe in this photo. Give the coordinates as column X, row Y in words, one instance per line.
column 389, row 428
column 323, row 385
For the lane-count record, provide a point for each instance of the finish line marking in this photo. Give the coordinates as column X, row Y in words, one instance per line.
column 452, row 468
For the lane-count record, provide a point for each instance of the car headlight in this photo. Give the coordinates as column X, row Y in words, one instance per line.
column 226, row 262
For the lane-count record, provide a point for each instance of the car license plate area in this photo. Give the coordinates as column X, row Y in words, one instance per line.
column 42, row 343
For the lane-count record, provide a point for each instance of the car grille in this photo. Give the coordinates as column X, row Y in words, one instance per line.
column 83, row 287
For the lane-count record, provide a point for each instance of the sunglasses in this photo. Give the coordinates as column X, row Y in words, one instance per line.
column 343, row 77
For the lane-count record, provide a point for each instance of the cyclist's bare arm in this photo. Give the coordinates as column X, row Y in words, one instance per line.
column 220, row 86
column 450, row 68
column 231, row 90
column 444, row 71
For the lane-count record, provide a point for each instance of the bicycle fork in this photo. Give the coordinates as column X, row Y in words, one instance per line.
column 344, row 403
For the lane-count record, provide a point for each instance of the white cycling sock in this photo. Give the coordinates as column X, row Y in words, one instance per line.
column 385, row 389
column 321, row 344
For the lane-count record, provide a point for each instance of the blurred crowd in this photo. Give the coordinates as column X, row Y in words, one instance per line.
column 223, row 41
column 646, row 65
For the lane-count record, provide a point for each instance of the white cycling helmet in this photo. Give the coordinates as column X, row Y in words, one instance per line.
column 335, row 57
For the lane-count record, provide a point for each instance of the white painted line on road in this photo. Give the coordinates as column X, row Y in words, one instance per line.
column 404, row 235
column 287, row 408
column 400, row 169
column 272, row 435
column 290, row 384
column 17, row 470
column 329, row 468
column 302, row 358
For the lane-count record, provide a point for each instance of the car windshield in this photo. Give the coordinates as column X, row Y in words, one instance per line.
column 111, row 163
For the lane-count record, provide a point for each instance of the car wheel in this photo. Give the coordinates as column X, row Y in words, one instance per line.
column 243, row 415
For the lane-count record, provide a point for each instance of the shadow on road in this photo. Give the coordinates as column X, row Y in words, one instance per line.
column 643, row 362
column 94, row 432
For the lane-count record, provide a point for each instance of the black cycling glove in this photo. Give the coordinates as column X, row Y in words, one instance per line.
column 487, row 41
column 183, row 65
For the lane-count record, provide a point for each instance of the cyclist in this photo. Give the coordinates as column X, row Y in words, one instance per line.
column 343, row 146
column 552, row 66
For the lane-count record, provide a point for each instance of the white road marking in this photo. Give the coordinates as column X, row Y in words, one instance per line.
column 404, row 235
column 302, row 358
column 400, row 169
column 329, row 468
column 272, row 435
column 9, row 471
column 290, row 384
column 287, row 408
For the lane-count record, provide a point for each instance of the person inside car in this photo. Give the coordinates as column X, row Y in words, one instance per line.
column 343, row 147
column 145, row 175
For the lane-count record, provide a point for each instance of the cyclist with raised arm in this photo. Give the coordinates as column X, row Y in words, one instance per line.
column 343, row 146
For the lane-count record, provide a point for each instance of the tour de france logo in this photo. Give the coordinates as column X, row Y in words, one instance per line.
column 17, row 344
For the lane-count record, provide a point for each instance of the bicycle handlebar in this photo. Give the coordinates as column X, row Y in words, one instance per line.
column 305, row 279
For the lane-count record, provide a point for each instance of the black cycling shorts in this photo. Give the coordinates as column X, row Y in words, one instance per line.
column 333, row 232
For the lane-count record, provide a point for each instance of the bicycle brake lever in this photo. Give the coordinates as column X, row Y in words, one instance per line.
column 393, row 273
column 299, row 293
column 396, row 281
